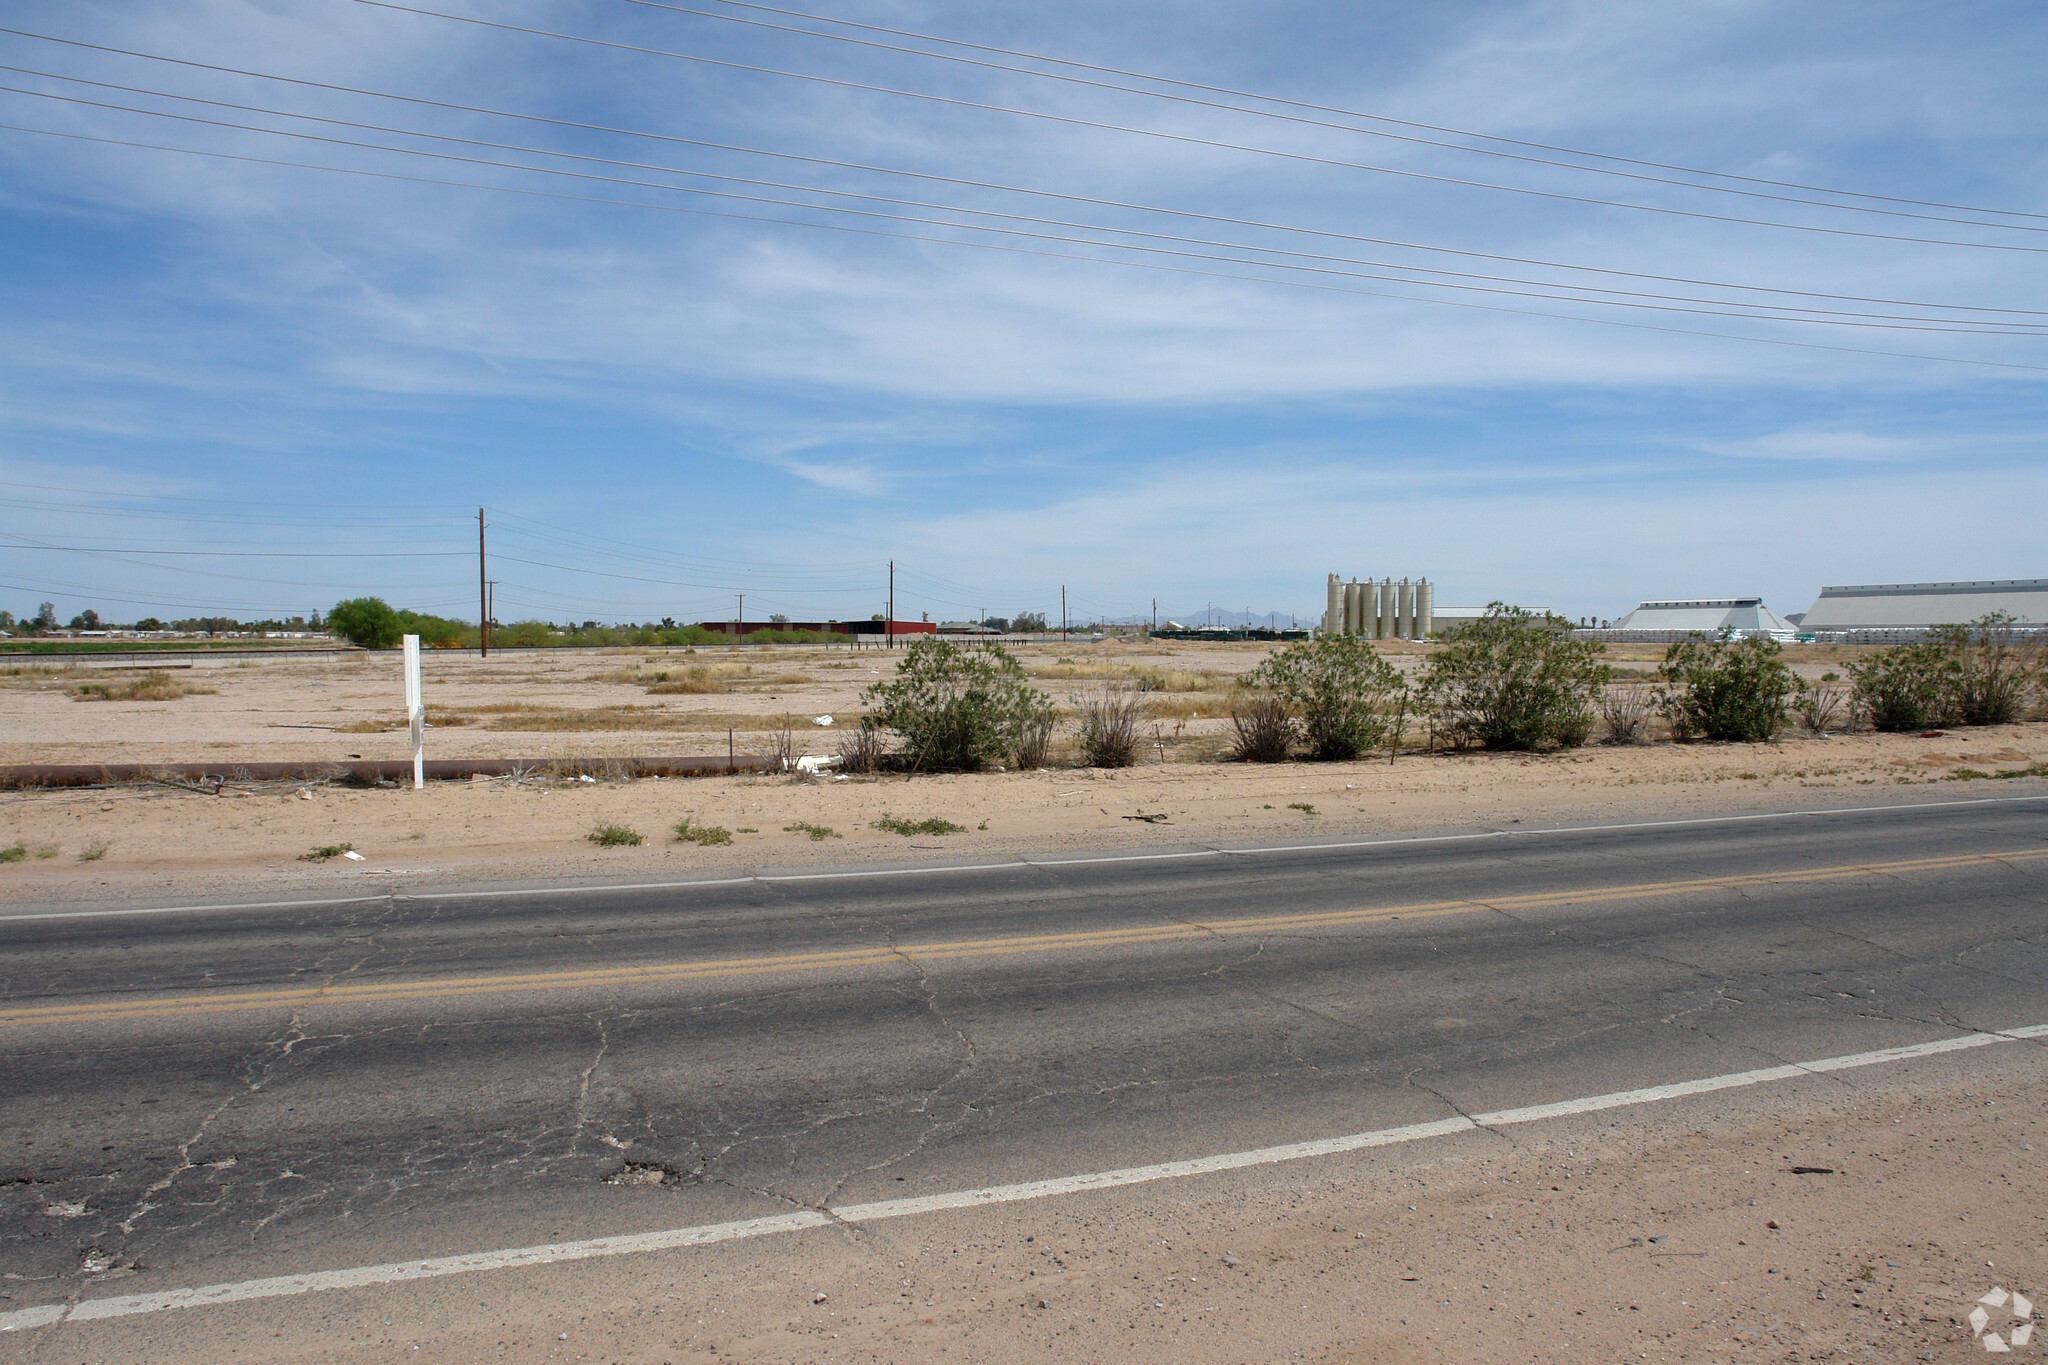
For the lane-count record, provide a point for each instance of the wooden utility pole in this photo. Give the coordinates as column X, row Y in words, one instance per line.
column 889, row 626
column 740, row 627
column 1063, row 613
column 483, row 592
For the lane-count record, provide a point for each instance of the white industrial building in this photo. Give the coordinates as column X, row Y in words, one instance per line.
column 1746, row 616
column 1879, row 612
column 1385, row 610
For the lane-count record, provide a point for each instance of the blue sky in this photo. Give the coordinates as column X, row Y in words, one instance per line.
column 663, row 409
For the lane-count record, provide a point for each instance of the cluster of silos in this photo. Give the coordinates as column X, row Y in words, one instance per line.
column 1385, row 610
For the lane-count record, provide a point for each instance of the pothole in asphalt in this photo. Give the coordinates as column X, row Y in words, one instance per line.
column 648, row 1174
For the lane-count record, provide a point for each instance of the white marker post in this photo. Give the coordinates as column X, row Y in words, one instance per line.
column 415, row 712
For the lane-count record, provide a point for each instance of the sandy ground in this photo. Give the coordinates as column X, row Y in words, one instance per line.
column 152, row 840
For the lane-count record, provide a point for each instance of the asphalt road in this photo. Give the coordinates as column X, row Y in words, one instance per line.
column 224, row 1093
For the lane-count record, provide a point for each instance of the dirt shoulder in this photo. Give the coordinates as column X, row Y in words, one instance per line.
column 151, row 841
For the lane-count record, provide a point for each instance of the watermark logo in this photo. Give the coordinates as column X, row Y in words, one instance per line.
column 2019, row 1333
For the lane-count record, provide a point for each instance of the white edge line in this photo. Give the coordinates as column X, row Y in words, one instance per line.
column 552, row 1253
column 1021, row 863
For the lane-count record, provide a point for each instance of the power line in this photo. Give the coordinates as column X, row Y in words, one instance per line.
column 1341, row 127
column 1215, row 143
column 1621, row 299
column 252, row 554
column 1963, row 326
column 1026, row 251
column 990, row 185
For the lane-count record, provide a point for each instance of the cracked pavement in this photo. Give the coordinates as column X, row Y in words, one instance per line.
column 187, row 1144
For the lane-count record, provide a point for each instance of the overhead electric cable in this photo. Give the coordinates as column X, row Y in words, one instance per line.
column 1347, row 113
column 1350, row 128
column 999, row 186
column 1580, row 289
column 1217, row 143
column 1962, row 326
column 1022, row 251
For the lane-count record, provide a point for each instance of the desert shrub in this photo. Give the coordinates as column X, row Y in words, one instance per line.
column 1514, row 680
column 1726, row 689
column 366, row 621
column 1901, row 688
column 1823, row 708
column 1262, row 731
column 1111, row 720
column 1034, row 743
column 778, row 743
column 1336, row 688
column 958, row 707
column 861, row 749
column 614, row 836
column 1989, row 675
column 1625, row 712
column 705, row 836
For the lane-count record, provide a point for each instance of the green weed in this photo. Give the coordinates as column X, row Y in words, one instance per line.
column 615, row 836
column 703, row 835
column 896, row 824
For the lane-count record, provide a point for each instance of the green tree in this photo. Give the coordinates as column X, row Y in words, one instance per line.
column 366, row 621
column 1726, row 689
column 1028, row 622
column 957, row 706
column 1514, row 680
column 1337, row 688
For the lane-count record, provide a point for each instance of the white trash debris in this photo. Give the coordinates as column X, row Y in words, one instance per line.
column 821, row 720
column 352, row 855
column 585, row 777
column 808, row 764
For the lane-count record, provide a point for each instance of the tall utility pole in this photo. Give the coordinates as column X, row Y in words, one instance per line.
column 491, row 601
column 483, row 592
column 741, row 628
column 1063, row 613
column 1155, row 613
column 889, row 626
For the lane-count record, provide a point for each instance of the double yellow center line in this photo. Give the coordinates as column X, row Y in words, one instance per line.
column 445, row 988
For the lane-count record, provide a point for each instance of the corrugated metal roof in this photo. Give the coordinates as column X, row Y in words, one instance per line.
column 1906, row 606
column 1706, row 615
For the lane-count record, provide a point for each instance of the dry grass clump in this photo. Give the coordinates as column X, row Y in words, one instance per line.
column 1190, row 708
column 556, row 719
column 1822, row 708
column 697, row 679
column 1142, row 677
column 1111, row 719
column 862, row 749
column 1262, row 730
column 1625, row 712
column 154, row 685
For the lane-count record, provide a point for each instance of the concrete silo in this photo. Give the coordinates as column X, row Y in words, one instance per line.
column 1425, row 608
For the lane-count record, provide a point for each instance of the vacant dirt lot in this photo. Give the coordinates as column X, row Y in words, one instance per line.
column 579, row 709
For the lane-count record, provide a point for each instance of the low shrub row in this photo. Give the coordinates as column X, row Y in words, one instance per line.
column 1514, row 679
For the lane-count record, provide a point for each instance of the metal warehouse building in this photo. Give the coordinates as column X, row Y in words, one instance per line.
column 1669, row 621
column 1897, row 610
